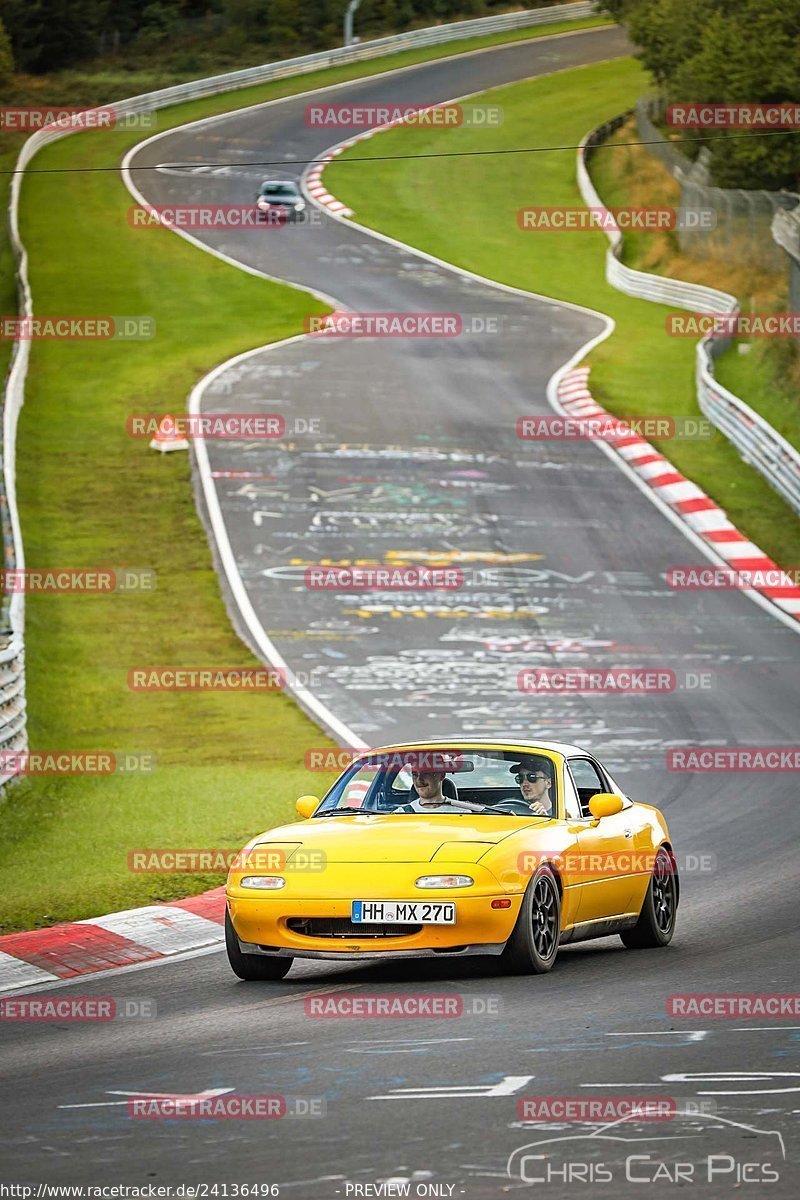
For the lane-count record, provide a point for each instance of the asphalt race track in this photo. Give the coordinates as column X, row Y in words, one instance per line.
column 564, row 560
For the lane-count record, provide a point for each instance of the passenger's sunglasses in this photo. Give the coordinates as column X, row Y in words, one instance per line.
column 530, row 776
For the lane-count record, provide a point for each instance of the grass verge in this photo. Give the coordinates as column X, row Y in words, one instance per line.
column 639, row 370
column 227, row 764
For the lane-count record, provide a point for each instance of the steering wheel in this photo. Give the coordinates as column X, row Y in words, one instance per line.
column 516, row 808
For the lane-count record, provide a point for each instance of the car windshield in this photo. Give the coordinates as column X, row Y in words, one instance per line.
column 278, row 189
column 453, row 780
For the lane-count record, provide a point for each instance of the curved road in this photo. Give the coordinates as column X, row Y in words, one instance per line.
column 564, row 562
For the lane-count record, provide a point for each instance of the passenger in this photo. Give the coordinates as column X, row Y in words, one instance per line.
column 429, row 797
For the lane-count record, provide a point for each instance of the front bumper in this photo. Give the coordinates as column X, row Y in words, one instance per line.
column 261, row 926
column 283, row 212
column 357, row 955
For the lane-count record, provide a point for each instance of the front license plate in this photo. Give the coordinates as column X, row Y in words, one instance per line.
column 402, row 912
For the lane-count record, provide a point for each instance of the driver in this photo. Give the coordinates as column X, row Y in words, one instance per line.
column 429, row 797
column 535, row 781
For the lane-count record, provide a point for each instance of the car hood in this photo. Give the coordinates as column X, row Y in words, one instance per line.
column 378, row 838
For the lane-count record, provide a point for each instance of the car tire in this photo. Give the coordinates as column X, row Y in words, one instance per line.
column 656, row 923
column 533, row 945
column 252, row 966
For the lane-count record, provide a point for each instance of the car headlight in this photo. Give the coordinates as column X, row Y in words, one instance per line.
column 268, row 883
column 444, row 881
column 263, row 205
column 299, row 206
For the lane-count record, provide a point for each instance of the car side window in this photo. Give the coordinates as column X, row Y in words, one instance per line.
column 572, row 805
column 587, row 780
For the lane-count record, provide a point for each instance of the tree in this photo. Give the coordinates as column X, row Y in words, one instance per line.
column 6, row 58
column 49, row 34
column 721, row 51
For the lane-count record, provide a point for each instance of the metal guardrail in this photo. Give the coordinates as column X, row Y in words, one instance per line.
column 13, row 728
column 13, row 735
column 755, row 439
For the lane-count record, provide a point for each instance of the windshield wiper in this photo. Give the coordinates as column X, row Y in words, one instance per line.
column 331, row 812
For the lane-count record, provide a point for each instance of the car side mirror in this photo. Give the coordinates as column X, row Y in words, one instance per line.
column 307, row 806
column 605, row 804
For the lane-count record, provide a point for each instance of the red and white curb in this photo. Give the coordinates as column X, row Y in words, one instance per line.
column 317, row 190
column 120, row 939
column 313, row 178
column 705, row 518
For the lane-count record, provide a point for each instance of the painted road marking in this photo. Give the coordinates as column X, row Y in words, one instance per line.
column 507, row 1086
column 206, row 1095
column 401, row 1045
column 737, row 1077
column 693, row 1035
column 715, row 1077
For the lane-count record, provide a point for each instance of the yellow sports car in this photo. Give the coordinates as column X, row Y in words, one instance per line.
column 455, row 848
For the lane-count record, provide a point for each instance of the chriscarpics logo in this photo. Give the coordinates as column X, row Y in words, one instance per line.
column 688, row 1146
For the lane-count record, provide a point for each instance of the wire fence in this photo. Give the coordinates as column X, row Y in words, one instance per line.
column 786, row 232
column 744, row 217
